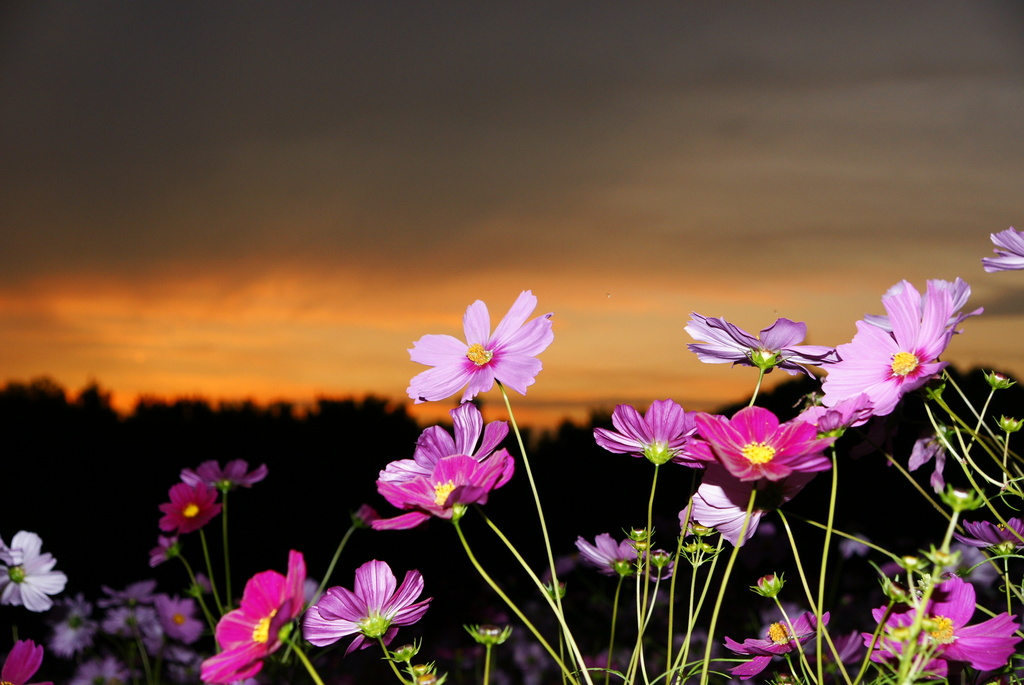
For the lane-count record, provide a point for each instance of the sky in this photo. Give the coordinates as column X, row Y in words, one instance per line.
column 273, row 200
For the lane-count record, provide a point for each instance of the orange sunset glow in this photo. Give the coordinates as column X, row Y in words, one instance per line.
column 272, row 202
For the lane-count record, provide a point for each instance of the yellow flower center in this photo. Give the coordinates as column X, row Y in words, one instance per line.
column 943, row 632
column 191, row 510
column 778, row 633
column 758, row 452
column 178, row 619
column 478, row 355
column 904, row 363
column 441, row 492
column 261, row 633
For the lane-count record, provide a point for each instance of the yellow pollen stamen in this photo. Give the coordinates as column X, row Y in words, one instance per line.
column 178, row 619
column 261, row 633
column 441, row 492
column 478, row 355
column 904, row 363
column 758, row 452
column 191, row 510
column 778, row 633
column 943, row 633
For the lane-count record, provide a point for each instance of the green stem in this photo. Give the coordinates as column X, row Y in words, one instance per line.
column 308, row 664
column 757, row 388
column 209, row 572
column 227, row 557
column 721, row 590
column 387, row 657
column 334, row 559
column 615, row 619
column 512, row 605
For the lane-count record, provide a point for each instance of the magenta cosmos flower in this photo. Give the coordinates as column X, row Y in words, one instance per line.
column 191, row 507
column 985, row 534
column 249, row 633
column 754, row 445
column 435, row 443
column 452, row 484
column 887, row 365
column 721, row 501
column 660, row 435
column 26, row 573
column 509, row 355
column 984, row 646
column 372, row 610
column 607, row 556
column 22, row 663
column 781, row 637
column 235, row 473
column 959, row 292
column 778, row 345
column 833, row 421
column 1010, row 248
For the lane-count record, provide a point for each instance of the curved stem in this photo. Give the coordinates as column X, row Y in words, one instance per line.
column 209, row 572
column 512, row 605
column 308, row 664
column 334, row 560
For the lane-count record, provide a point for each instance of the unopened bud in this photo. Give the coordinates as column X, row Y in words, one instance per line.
column 1010, row 425
column 998, row 381
column 769, row 585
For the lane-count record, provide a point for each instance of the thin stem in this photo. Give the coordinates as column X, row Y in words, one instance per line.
column 309, row 666
column 227, row 557
column 757, row 388
column 387, row 657
column 721, row 590
column 515, row 609
column 334, row 559
column 615, row 620
column 209, row 572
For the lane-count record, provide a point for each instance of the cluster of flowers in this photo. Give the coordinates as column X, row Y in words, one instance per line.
column 751, row 463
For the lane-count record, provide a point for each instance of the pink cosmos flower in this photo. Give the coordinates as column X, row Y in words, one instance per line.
column 660, row 435
column 509, row 355
column 721, row 501
column 832, row 421
column 372, row 610
column 985, row 534
column 26, row 574
column 885, row 366
column 780, row 638
column 73, row 626
column 178, row 618
column 1010, row 248
column 959, row 292
column 435, row 443
column 191, row 507
column 453, row 483
column 754, row 445
column 774, row 346
column 984, row 646
column 610, row 558
column 249, row 633
column 233, row 474
column 22, row 663
column 166, row 548
column 926, row 448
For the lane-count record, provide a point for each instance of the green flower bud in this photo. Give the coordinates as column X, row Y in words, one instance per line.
column 405, row 653
column 660, row 559
column 488, row 634
column 998, row 381
column 769, row 585
column 960, row 500
column 1010, row 425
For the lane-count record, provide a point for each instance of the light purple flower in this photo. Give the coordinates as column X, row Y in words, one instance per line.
column 610, row 558
column 509, row 355
column 235, row 473
column 984, row 646
column 985, row 534
column 721, row 501
column 435, row 443
column 781, row 637
column 778, row 345
column 26, row 574
column 166, row 548
column 959, row 292
column 105, row 671
column 833, row 421
column 74, row 629
column 885, row 366
column 373, row 610
column 454, row 483
column 178, row 618
column 926, row 448
column 753, row 444
column 139, row 592
column 22, row 663
column 660, row 435
column 1010, row 248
